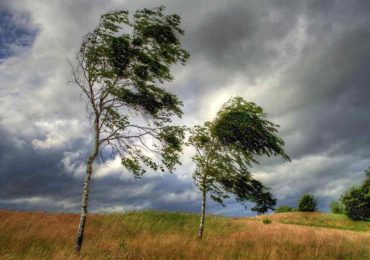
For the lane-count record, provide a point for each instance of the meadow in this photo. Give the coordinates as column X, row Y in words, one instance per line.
column 172, row 235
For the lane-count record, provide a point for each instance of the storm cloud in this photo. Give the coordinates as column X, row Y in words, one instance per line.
column 305, row 62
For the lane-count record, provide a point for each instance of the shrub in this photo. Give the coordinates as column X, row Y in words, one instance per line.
column 356, row 203
column 307, row 203
column 284, row 208
column 266, row 221
column 336, row 207
column 356, row 200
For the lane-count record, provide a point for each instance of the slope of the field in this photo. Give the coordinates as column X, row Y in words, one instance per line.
column 166, row 235
column 317, row 219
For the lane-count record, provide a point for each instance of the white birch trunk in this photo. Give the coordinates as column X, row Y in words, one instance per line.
column 86, row 189
column 202, row 214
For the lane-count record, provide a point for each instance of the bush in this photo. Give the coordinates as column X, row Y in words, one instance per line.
column 266, row 221
column 336, row 207
column 356, row 203
column 284, row 208
column 307, row 203
column 356, row 200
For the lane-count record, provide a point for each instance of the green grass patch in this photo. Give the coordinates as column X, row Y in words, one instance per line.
column 166, row 222
column 324, row 220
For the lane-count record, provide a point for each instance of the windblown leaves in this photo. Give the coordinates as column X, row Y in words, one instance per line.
column 122, row 64
column 243, row 125
column 225, row 150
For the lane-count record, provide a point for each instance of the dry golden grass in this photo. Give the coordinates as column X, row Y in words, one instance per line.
column 160, row 235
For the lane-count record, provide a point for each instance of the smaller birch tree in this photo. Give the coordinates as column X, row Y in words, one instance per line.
column 225, row 150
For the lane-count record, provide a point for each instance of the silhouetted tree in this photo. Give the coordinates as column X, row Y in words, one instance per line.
column 264, row 202
column 356, row 200
column 225, row 149
column 120, row 67
column 307, row 203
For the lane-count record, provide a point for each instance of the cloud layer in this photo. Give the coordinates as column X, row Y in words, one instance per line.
column 305, row 62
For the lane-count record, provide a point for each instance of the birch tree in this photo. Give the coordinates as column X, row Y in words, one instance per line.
column 225, row 150
column 120, row 68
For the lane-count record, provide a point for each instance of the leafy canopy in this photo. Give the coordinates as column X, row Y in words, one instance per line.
column 121, row 65
column 307, row 203
column 224, row 155
column 356, row 200
column 243, row 126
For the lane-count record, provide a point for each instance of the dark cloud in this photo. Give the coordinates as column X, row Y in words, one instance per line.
column 305, row 62
column 15, row 34
column 222, row 33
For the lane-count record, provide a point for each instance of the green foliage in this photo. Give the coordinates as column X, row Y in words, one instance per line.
column 356, row 203
column 173, row 137
column 223, row 165
column 307, row 203
column 243, row 125
column 356, row 200
column 121, row 65
column 221, row 171
column 266, row 221
column 336, row 207
column 283, row 209
column 264, row 202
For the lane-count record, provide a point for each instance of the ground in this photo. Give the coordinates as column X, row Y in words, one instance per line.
column 171, row 235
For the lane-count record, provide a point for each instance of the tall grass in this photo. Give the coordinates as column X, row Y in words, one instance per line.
column 317, row 219
column 168, row 235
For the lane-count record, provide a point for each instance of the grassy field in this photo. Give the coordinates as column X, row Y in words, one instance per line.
column 167, row 235
column 317, row 219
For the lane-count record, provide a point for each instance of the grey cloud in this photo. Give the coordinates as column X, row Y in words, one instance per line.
column 32, row 179
column 305, row 62
column 329, row 106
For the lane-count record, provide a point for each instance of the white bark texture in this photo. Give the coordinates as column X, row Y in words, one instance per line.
column 202, row 214
column 86, row 189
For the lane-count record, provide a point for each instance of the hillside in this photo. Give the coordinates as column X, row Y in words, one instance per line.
column 317, row 219
column 165, row 235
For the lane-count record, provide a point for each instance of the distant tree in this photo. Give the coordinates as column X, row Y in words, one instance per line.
column 283, row 209
column 225, row 149
column 307, row 203
column 120, row 67
column 337, row 207
column 356, row 200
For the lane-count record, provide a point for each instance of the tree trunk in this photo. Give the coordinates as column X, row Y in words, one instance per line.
column 202, row 214
column 85, row 190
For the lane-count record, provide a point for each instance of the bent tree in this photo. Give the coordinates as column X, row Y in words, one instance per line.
column 120, row 67
column 225, row 150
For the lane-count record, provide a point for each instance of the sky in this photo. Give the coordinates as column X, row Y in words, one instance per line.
column 305, row 62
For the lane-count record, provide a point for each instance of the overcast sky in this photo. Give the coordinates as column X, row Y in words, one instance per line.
column 307, row 63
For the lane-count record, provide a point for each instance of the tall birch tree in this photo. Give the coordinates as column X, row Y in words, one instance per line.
column 120, row 68
column 225, row 150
